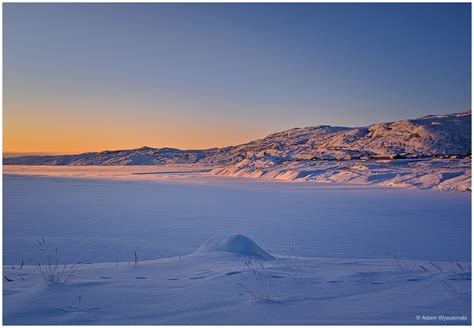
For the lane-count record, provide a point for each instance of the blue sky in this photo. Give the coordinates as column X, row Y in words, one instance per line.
column 204, row 75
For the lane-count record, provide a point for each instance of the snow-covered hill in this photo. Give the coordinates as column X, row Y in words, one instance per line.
column 425, row 136
column 363, row 155
column 140, row 156
column 323, row 154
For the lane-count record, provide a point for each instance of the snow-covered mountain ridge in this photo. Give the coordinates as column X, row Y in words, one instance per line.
column 431, row 152
column 434, row 135
column 426, row 136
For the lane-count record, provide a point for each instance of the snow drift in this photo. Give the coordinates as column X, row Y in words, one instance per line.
column 234, row 243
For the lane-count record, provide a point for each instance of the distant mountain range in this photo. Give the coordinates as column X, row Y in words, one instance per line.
column 429, row 136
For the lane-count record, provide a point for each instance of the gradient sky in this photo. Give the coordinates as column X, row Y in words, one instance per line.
column 89, row 77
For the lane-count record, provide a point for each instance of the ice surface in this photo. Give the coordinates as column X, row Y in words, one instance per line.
column 107, row 215
column 340, row 254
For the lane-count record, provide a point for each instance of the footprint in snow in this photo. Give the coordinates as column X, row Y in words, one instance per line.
column 199, row 277
column 233, row 273
column 141, row 277
column 70, row 309
column 277, row 276
column 334, row 281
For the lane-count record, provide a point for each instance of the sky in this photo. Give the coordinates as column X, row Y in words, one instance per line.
column 90, row 77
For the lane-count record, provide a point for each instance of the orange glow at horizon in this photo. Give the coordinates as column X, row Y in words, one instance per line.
column 67, row 133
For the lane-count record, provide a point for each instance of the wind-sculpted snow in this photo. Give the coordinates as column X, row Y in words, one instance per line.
column 438, row 174
column 222, row 289
column 236, row 244
column 323, row 154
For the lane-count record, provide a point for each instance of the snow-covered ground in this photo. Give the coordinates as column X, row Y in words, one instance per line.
column 327, row 253
column 440, row 174
column 219, row 288
column 437, row 174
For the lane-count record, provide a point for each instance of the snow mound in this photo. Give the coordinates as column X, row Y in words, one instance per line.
column 234, row 243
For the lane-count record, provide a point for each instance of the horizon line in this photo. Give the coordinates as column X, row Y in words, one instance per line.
column 6, row 153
